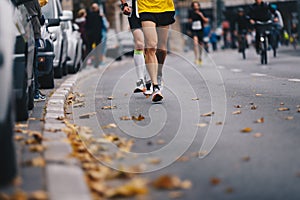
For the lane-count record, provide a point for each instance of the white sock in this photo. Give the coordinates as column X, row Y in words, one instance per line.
column 139, row 61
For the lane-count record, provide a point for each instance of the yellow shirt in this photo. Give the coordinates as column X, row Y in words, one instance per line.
column 155, row 6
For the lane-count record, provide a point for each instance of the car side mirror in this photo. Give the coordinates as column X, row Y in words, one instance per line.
column 52, row 22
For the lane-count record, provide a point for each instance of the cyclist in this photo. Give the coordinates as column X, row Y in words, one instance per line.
column 241, row 26
column 277, row 26
column 142, row 84
column 260, row 11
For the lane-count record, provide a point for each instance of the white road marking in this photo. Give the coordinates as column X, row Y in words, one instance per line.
column 258, row 74
column 221, row 67
column 236, row 70
column 294, row 80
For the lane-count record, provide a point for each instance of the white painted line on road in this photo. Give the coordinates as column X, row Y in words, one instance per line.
column 236, row 70
column 294, row 80
column 258, row 74
column 221, row 67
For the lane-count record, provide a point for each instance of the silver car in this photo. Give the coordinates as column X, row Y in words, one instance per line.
column 7, row 40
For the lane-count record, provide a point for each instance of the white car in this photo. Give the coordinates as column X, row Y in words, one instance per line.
column 74, row 43
column 7, row 40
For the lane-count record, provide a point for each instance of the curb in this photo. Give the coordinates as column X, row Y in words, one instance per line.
column 64, row 176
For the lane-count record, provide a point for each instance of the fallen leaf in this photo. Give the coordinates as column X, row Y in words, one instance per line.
column 246, row 130
column 260, row 120
column 202, row 153
column 175, row 194
column 38, row 195
column 18, row 137
column 60, row 118
column 125, row 118
column 161, row 141
column 110, row 98
column 134, row 187
column 95, row 175
column 20, row 125
column 36, row 162
column 257, row 135
column 87, row 115
column 289, row 118
column 98, row 187
column 36, row 135
column 183, row 159
column 246, row 158
column 34, row 119
column 111, row 125
column 215, row 181
column 186, row 184
column 298, row 110
column 37, row 148
column 154, row 161
column 208, row 114
column 253, row 107
column 78, row 104
column 139, row 118
column 283, row 109
column 237, row 112
column 202, row 125
column 126, row 94
column 19, row 130
column 281, row 103
column 219, row 123
column 237, row 106
column 258, row 95
column 31, row 141
column 229, row 190
column 109, row 107
column 195, row 98
column 167, row 182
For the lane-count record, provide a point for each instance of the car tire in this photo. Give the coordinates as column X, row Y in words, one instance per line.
column 47, row 81
column 8, row 168
column 31, row 97
column 22, row 103
column 65, row 68
column 73, row 68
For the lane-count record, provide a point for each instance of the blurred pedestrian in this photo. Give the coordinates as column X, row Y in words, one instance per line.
column 37, row 20
column 226, row 29
column 206, row 34
column 81, row 22
column 213, row 40
column 103, row 47
column 156, row 16
column 94, row 25
column 197, row 20
column 143, row 84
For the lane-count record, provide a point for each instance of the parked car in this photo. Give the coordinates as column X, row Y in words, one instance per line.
column 46, row 55
column 74, row 43
column 127, row 43
column 23, row 62
column 7, row 40
column 53, row 10
column 114, row 47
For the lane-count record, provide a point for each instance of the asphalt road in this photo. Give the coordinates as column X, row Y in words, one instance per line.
column 260, row 164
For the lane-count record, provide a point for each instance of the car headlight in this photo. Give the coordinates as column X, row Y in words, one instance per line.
column 53, row 36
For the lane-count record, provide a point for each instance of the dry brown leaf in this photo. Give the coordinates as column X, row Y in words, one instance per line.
column 134, row 187
column 87, row 115
column 111, row 137
column 281, row 103
column 31, row 141
column 175, row 194
column 229, row 190
column 95, row 174
column 215, row 181
column 167, row 182
column 257, row 135
column 109, row 107
column 237, row 112
column 161, row 141
column 139, row 118
column 202, row 153
column 38, row 195
column 186, row 184
column 183, row 159
column 219, row 123
column 154, row 161
column 37, row 135
column 298, row 110
column 260, row 120
column 208, row 114
column 97, row 187
column 19, row 130
column 258, row 95
column 37, row 148
column 110, row 98
column 125, row 118
column 195, row 98
column 111, row 125
column 237, row 106
column 246, row 130
column 60, row 118
column 18, row 137
column 20, row 125
column 289, row 118
column 253, row 107
column 283, row 109
column 19, row 195
column 201, row 125
column 36, row 162
column 246, row 158
column 34, row 119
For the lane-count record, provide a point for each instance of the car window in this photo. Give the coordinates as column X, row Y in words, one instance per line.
column 48, row 10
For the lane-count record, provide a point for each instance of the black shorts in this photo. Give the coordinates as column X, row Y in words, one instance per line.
column 134, row 22
column 199, row 34
column 160, row 19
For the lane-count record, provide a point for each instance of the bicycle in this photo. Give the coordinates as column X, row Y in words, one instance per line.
column 264, row 31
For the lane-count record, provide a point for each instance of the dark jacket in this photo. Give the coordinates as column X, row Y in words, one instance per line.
column 34, row 11
column 93, row 27
column 262, row 12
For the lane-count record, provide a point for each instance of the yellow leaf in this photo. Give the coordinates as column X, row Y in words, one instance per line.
column 139, row 118
column 283, row 109
column 20, row 125
column 154, row 161
column 135, row 187
column 161, row 141
column 183, row 159
column 98, row 187
column 246, row 130
column 37, row 148
column 36, row 162
column 258, row 95
column 94, row 175
column 19, row 137
column 186, row 184
column 167, row 182
column 260, row 120
column 38, row 195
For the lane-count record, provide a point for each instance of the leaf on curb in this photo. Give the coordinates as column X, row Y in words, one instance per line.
column 257, row 135
column 139, row 118
column 20, row 125
column 18, row 137
column 87, row 115
column 246, row 130
column 207, row 114
column 78, row 104
column 37, row 148
column 36, row 162
column 215, row 181
column 31, row 141
column 98, row 187
column 111, row 125
column 95, row 174
column 289, row 118
column 202, row 125
column 237, row 112
column 260, row 120
column 37, row 135
column 125, row 118
column 19, row 130
column 109, row 107
column 38, row 195
column 283, row 109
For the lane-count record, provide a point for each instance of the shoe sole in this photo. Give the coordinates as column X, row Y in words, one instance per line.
column 138, row 90
column 157, row 97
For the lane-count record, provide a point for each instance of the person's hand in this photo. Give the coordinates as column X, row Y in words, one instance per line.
column 252, row 21
column 198, row 12
column 127, row 10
